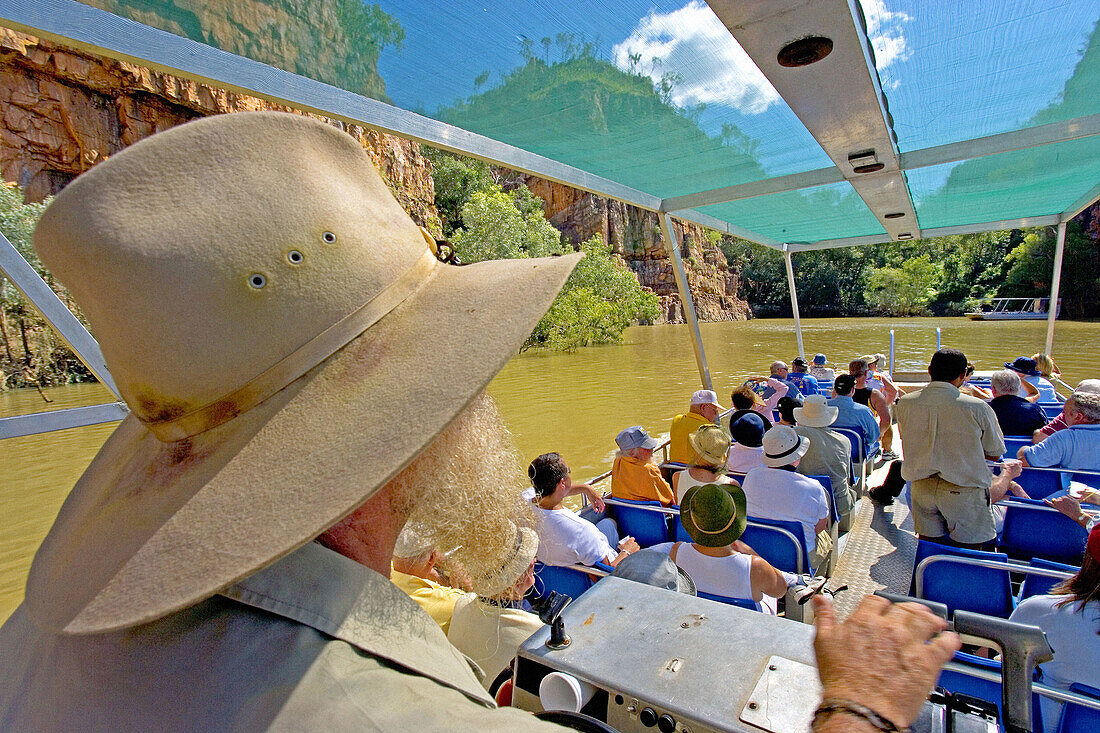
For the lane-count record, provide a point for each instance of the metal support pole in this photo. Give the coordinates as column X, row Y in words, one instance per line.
column 686, row 301
column 72, row 331
column 893, row 351
column 1055, row 283
column 794, row 302
column 73, row 417
column 939, row 338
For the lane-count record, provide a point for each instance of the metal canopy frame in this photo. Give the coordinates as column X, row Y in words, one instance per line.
column 851, row 118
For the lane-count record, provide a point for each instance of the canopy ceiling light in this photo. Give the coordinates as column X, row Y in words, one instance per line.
column 804, row 51
column 865, row 161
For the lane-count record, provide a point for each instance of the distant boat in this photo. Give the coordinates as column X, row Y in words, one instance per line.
column 1016, row 309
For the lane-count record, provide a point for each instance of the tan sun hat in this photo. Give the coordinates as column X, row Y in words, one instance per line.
column 816, row 412
column 271, row 316
column 711, row 445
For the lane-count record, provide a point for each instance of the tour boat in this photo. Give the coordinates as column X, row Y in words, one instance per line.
column 1015, row 309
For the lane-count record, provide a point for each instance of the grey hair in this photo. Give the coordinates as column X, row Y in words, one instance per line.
column 1005, row 382
column 778, row 365
column 1087, row 403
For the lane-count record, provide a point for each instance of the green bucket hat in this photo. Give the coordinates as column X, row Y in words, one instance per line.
column 714, row 514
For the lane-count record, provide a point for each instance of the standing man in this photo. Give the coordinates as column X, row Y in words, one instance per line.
column 806, row 383
column 704, row 410
column 948, row 438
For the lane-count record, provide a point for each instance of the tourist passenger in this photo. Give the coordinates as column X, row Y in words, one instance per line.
column 1059, row 422
column 1029, row 372
column 873, row 398
column 489, row 628
column 779, row 372
column 786, row 408
column 879, row 378
column 746, row 397
column 179, row 587
column 747, row 430
column 852, row 415
column 948, row 437
column 1070, row 617
column 776, row 491
column 714, row 516
column 414, row 570
column 804, row 382
column 975, row 390
column 565, row 537
column 1016, row 415
column 820, row 371
column 704, row 410
column 1078, row 446
column 710, row 446
column 1046, row 366
column 829, row 453
column 633, row 473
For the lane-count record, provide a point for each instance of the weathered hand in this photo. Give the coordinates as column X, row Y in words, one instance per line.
column 596, row 499
column 629, row 545
column 1012, row 467
column 885, row 656
column 1067, row 505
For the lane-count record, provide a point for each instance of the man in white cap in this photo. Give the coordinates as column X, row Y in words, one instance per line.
column 704, row 410
column 267, row 308
column 777, row 491
column 829, row 453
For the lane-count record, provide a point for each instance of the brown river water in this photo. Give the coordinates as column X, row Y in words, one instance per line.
column 570, row 403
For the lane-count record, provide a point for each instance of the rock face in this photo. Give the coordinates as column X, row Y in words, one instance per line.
column 64, row 111
column 636, row 236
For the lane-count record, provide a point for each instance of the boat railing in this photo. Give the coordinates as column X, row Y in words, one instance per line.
column 1012, row 567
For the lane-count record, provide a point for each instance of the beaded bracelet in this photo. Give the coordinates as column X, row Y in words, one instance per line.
column 832, row 705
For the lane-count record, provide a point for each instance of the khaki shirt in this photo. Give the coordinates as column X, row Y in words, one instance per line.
column 948, row 433
column 313, row 642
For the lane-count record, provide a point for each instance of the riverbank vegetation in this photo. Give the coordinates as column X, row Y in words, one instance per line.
column 483, row 221
column 943, row 276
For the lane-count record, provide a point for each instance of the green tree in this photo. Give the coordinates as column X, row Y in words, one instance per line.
column 1031, row 264
column 456, row 180
column 504, row 225
column 905, row 290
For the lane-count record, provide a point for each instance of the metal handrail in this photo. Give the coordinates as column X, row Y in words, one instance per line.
column 1058, row 469
column 983, row 563
column 1052, row 693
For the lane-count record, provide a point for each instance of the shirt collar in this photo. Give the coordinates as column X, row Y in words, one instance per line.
column 346, row 600
column 1086, row 426
column 937, row 384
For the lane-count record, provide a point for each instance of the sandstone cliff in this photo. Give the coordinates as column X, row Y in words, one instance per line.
column 636, row 236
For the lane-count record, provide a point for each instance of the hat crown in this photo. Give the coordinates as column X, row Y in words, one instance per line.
column 712, row 508
column 710, row 442
column 779, row 440
column 197, row 273
column 748, row 429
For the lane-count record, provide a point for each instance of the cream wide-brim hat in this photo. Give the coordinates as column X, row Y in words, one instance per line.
column 282, row 401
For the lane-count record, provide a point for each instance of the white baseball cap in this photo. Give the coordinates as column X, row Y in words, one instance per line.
column 705, row 397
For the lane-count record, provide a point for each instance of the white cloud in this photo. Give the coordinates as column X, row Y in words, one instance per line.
column 706, row 63
column 884, row 32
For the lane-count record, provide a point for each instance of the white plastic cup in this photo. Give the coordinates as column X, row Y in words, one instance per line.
column 560, row 691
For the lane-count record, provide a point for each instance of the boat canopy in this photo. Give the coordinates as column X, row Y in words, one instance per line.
column 918, row 119
column 796, row 124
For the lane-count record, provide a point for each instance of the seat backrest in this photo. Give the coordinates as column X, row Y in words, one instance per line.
column 1076, row 717
column 827, row 484
column 1038, row 585
column 859, row 450
column 1013, row 443
column 1040, row 484
column 779, row 542
column 1031, row 531
column 642, row 520
column 569, row 581
column 957, row 585
column 983, row 689
column 1051, row 409
column 747, row 603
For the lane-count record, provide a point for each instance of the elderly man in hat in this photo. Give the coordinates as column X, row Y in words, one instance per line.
column 634, row 476
column 704, row 410
column 801, row 379
column 820, row 370
column 777, row 491
column 267, row 308
column 829, row 453
column 1078, row 445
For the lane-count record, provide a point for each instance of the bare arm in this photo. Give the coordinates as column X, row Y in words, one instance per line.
column 1003, row 483
column 1031, row 389
column 1071, row 508
column 594, row 497
column 1019, row 456
column 885, row 657
column 1039, row 436
column 881, row 408
column 766, row 580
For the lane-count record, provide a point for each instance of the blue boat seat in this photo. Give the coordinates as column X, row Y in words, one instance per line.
column 642, row 520
column 746, row 603
column 779, row 542
column 1076, row 718
column 986, row 590
column 1033, row 529
column 1041, row 484
column 1051, row 409
column 1038, row 585
column 1013, row 443
column 827, row 484
column 567, row 580
column 988, row 690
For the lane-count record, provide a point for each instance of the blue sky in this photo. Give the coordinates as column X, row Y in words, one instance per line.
column 948, row 75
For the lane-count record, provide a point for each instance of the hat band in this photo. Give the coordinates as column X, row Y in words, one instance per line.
column 716, row 531
column 299, row 361
column 785, row 453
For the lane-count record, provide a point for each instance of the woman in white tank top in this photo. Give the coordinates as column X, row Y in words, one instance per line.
column 714, row 517
column 711, row 444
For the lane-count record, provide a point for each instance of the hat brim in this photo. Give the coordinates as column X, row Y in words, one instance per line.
column 152, row 527
column 1025, row 372
column 820, row 421
column 788, row 459
column 736, row 528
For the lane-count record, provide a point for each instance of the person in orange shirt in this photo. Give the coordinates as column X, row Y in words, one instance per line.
column 633, row 474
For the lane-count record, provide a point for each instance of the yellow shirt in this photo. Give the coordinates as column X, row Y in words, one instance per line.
column 638, row 481
column 679, row 448
column 438, row 600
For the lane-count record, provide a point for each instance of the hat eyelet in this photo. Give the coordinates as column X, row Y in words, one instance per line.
column 328, row 237
column 295, row 257
column 257, row 281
